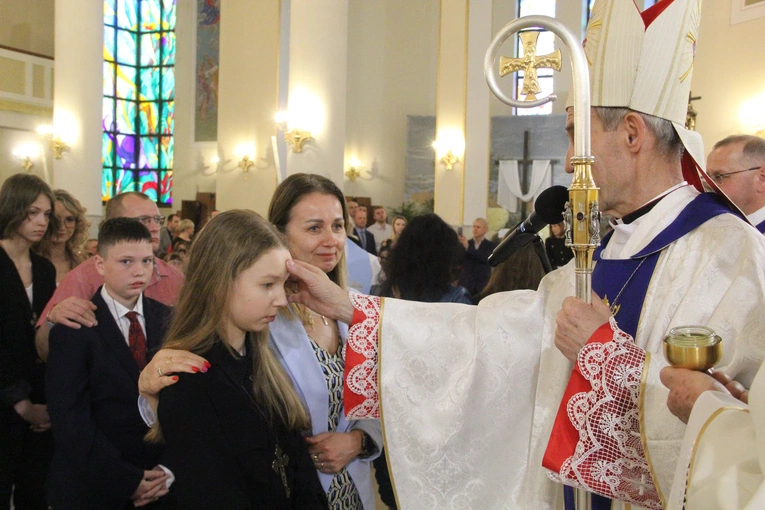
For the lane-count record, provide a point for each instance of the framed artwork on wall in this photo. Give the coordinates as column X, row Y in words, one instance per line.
column 746, row 10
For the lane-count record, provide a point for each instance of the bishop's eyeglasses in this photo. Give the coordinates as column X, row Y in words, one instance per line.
column 720, row 177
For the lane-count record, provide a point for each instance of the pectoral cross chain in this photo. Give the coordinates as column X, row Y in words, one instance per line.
column 280, row 462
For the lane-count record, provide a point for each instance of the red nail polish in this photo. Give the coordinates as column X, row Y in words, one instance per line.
column 207, row 364
column 194, row 369
column 175, row 378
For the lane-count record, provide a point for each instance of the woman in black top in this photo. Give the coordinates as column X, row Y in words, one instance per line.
column 29, row 280
column 234, row 434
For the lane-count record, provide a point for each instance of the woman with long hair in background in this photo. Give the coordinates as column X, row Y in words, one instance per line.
column 64, row 248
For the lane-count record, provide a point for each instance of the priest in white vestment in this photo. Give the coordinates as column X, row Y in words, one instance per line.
column 469, row 396
column 722, row 461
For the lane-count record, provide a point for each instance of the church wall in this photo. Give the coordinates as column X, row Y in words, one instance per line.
column 392, row 66
column 728, row 72
column 27, row 25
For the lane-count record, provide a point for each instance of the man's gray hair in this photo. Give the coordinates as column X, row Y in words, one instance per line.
column 754, row 146
column 668, row 143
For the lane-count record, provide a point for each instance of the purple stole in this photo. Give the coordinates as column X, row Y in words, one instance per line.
column 625, row 281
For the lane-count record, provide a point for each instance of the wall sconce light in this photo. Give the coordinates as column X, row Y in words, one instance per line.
column 354, row 167
column 294, row 136
column 57, row 143
column 25, row 153
column 245, row 154
column 449, row 148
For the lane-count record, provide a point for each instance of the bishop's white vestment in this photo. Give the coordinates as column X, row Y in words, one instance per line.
column 468, row 394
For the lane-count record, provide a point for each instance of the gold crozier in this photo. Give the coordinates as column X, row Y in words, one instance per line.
column 529, row 64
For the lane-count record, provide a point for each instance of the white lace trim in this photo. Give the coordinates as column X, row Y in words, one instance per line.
column 609, row 458
column 361, row 378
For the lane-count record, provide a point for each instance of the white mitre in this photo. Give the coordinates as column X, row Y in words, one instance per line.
column 644, row 61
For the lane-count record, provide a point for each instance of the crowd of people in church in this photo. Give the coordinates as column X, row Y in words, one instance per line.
column 85, row 327
column 257, row 365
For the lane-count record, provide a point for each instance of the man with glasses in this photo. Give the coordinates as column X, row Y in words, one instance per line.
column 737, row 165
column 71, row 305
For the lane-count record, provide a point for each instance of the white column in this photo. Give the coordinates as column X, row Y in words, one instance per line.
column 477, row 120
column 77, row 99
column 247, row 102
column 451, row 94
column 317, row 84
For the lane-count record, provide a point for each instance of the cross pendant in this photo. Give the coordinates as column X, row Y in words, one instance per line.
column 280, row 462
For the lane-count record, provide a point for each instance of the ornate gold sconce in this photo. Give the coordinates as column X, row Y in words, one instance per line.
column 297, row 138
column 354, row 168
column 25, row 153
column 449, row 160
column 55, row 141
column 245, row 153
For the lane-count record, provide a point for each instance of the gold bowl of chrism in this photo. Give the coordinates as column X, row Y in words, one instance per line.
column 693, row 347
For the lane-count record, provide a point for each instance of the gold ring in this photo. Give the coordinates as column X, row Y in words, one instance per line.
column 315, row 458
column 321, row 466
column 169, row 359
column 159, row 371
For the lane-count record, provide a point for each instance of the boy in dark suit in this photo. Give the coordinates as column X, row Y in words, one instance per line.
column 100, row 458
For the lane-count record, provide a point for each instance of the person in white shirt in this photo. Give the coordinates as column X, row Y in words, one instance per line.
column 380, row 228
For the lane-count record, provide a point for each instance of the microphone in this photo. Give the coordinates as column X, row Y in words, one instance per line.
column 547, row 209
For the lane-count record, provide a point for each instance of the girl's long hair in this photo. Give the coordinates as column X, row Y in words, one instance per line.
column 228, row 245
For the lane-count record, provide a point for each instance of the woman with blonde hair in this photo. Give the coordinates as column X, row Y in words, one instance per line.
column 310, row 211
column 234, row 435
column 64, row 247
column 183, row 235
column 399, row 224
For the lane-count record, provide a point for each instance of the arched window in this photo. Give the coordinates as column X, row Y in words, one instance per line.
column 139, row 94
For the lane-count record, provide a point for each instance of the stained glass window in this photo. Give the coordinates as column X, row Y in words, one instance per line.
column 139, row 98
column 545, row 45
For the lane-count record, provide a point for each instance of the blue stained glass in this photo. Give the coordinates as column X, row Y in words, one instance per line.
column 148, row 157
column 108, row 79
column 167, row 118
column 144, row 106
column 125, row 151
column 168, row 83
column 109, row 44
column 126, row 116
column 150, row 15
column 168, row 14
column 127, row 14
column 126, row 82
column 147, row 184
column 107, row 150
column 126, row 48
column 107, row 182
column 148, row 119
column 125, row 181
column 168, row 48
column 110, row 17
column 149, row 84
column 166, row 149
column 149, row 49
column 108, row 114
column 166, row 187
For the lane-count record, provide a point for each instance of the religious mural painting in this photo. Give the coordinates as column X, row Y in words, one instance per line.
column 139, row 98
column 207, row 65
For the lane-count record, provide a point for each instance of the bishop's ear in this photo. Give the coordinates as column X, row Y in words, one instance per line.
column 634, row 131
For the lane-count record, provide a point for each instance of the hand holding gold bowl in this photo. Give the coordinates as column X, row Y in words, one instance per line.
column 692, row 347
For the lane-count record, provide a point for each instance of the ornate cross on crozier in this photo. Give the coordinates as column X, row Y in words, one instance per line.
column 529, row 64
column 280, row 462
